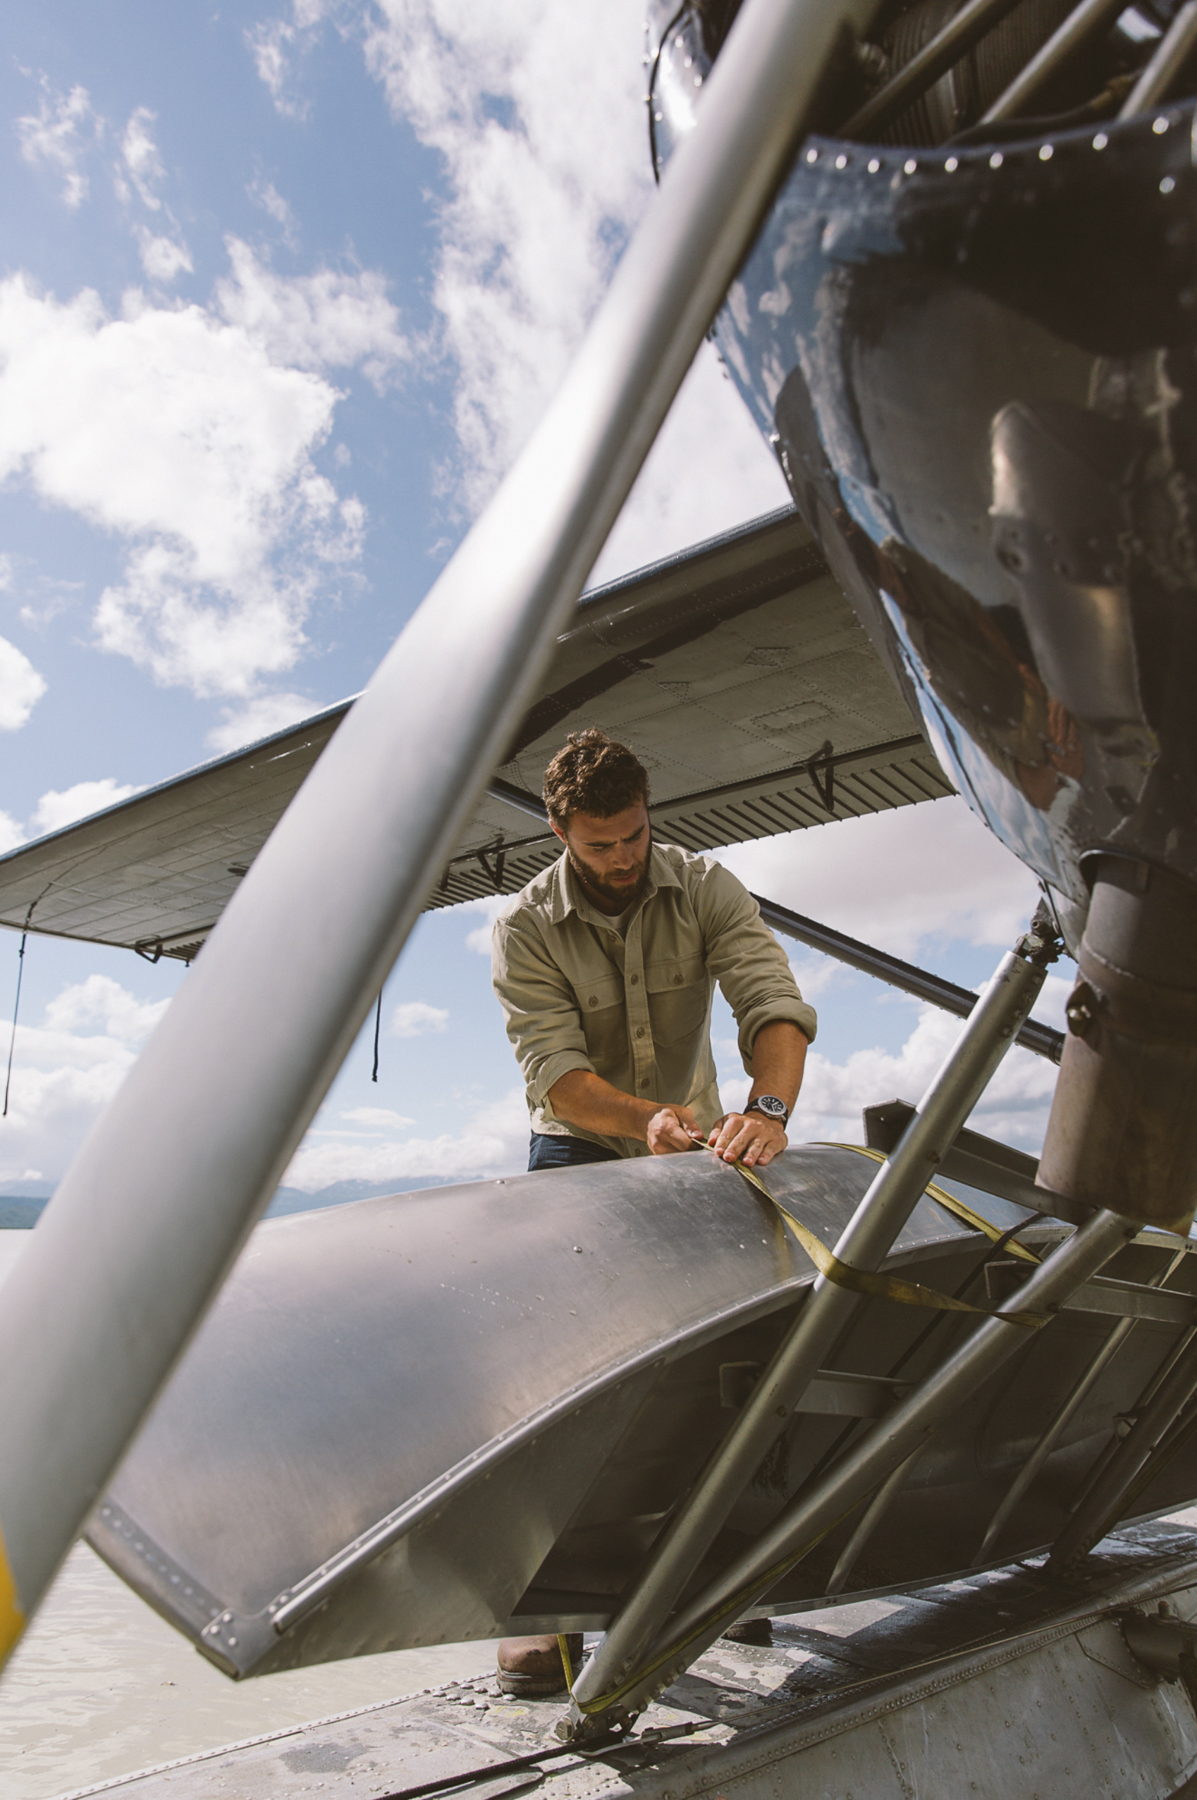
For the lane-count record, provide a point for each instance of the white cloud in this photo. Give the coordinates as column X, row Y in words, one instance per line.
column 316, row 321
column 416, row 1018
column 261, row 718
column 54, row 810
column 175, row 431
column 21, row 687
column 66, row 1070
column 64, row 129
column 478, row 940
column 494, row 1142
column 266, row 195
column 162, row 258
column 537, row 113
column 1013, row 1109
column 10, row 833
column 101, row 1001
column 895, row 878
column 708, row 471
column 141, row 158
column 274, row 44
column 377, row 1118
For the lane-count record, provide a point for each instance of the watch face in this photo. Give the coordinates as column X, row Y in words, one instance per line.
column 770, row 1105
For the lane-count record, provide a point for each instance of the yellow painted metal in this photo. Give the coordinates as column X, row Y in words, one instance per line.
column 12, row 1614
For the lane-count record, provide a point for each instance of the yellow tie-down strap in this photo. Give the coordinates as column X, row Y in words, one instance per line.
column 883, row 1287
column 949, row 1202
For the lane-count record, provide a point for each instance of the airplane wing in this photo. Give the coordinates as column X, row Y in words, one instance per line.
column 737, row 671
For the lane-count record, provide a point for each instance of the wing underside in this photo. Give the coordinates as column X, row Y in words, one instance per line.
column 738, row 672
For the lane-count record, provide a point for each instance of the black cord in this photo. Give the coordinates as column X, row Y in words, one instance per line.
column 12, row 1042
column 377, row 1029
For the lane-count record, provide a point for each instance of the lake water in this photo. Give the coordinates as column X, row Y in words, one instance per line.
column 101, row 1686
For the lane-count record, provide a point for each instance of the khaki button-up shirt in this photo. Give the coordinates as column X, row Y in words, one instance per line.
column 634, row 1008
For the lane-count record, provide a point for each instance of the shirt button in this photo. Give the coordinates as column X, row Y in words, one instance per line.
column 639, row 1031
column 644, row 1081
column 594, row 999
column 677, row 981
column 635, row 980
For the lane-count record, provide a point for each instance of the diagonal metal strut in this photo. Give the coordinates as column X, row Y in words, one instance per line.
column 150, row 1216
column 865, row 1241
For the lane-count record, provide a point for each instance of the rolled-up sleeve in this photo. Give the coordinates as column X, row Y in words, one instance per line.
column 540, row 1010
column 747, row 961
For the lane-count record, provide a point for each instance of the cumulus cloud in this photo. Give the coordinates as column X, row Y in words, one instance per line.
column 537, row 114
column 54, row 810
column 67, row 1069
column 261, row 718
column 321, row 321
column 1013, row 1109
column 10, row 833
column 21, row 687
column 376, row 1118
column 478, row 940
column 59, row 136
column 493, row 1142
column 896, row 878
column 416, row 1018
column 174, row 430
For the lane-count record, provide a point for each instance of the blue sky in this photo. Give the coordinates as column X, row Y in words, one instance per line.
column 282, row 292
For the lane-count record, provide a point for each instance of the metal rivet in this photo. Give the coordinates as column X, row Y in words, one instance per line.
column 698, row 81
column 996, row 160
column 1159, row 126
column 841, row 162
column 910, row 166
column 1100, row 141
column 658, row 117
column 1045, row 152
column 952, row 165
column 1167, row 184
column 577, row 1249
column 812, row 156
column 874, row 165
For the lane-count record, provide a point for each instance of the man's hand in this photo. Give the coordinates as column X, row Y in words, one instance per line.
column 673, row 1128
column 748, row 1138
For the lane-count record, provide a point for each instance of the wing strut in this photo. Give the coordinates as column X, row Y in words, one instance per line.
column 150, row 1216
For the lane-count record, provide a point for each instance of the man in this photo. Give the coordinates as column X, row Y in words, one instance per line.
column 605, row 967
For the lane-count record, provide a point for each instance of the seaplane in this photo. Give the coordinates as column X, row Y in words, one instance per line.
column 926, row 1403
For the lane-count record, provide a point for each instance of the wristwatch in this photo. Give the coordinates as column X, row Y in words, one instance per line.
column 771, row 1107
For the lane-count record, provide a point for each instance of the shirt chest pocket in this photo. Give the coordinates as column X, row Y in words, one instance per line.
column 679, row 996
column 604, row 1020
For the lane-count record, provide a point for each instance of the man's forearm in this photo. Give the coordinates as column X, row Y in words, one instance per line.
column 778, row 1060
column 584, row 1099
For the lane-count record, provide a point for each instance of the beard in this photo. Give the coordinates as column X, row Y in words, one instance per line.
column 619, row 894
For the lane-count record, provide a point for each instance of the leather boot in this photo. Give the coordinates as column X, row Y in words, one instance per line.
column 531, row 1666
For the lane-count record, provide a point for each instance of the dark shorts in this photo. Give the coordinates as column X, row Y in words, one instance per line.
column 565, row 1152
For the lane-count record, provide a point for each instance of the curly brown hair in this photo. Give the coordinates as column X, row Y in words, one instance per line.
column 593, row 774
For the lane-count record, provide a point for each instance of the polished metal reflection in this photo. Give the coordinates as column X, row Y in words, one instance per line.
column 469, row 1411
